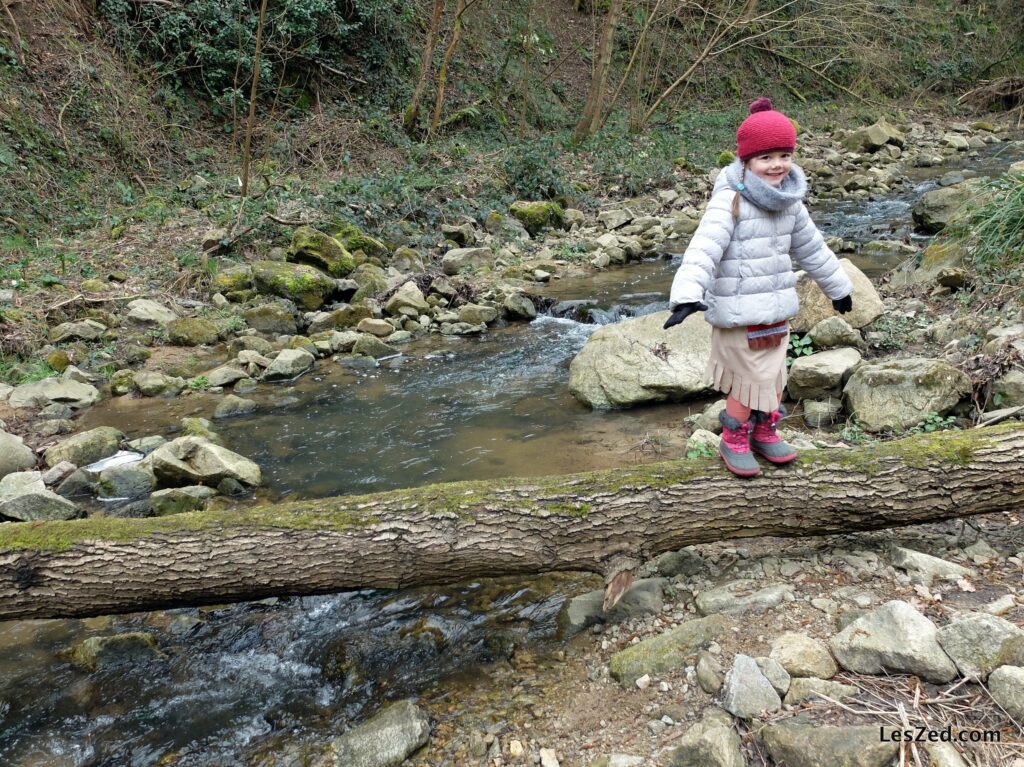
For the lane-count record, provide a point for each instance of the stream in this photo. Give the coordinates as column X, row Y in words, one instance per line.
column 229, row 678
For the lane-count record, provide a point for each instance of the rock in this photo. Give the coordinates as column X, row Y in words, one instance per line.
column 305, row 286
column 475, row 314
column 200, row 427
column 974, row 642
column 742, row 596
column 815, row 306
column 50, row 390
column 682, row 562
column 460, row 234
column 1010, row 388
column 636, row 361
column 797, row 744
column 57, row 474
column 226, row 375
column 232, row 280
column 710, row 674
column 548, row 758
column 708, row 420
column 85, row 330
column 14, row 455
column 179, row 500
column 272, row 318
column 371, row 346
column 803, row 656
column 461, row 329
column 1006, row 685
column 819, row 413
column 408, row 296
column 24, row 497
column 539, row 215
column 153, row 384
column 874, row 137
column 747, row 692
column 821, row 375
column 668, row 650
column 702, row 443
column 131, row 480
column 313, row 247
column 940, row 207
column 460, row 260
column 232, row 406
column 519, row 307
column 774, row 673
column 97, row 653
column 197, row 461
column 613, row 219
column 192, row 331
column 355, row 239
column 806, row 688
column 712, row 742
column 147, row 312
column 85, row 448
column 586, row 610
column 834, row 332
column 378, row 328
column 146, row 445
column 900, row 393
column 605, row 760
column 945, row 755
column 893, row 638
column 384, row 740
column 923, row 568
column 289, row 364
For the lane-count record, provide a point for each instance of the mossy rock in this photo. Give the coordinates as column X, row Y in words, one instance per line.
column 725, row 157
column 191, row 331
column 93, row 285
column 311, row 246
column 671, row 650
column 200, row 427
column 372, row 280
column 104, row 652
column 538, row 215
column 354, row 238
column 232, row 280
column 306, row 286
column 122, row 382
column 58, row 360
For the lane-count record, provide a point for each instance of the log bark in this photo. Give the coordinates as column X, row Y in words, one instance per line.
column 602, row 522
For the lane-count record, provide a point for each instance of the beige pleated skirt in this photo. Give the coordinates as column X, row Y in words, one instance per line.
column 754, row 377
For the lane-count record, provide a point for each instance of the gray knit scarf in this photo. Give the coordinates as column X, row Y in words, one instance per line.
column 764, row 195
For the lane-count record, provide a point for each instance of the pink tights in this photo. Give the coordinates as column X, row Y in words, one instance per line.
column 738, row 410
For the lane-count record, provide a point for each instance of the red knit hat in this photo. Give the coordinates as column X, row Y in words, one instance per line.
column 764, row 131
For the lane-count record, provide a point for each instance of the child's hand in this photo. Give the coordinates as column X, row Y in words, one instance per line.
column 681, row 312
column 844, row 304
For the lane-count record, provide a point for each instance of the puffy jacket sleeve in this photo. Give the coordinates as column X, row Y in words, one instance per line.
column 808, row 249
column 700, row 261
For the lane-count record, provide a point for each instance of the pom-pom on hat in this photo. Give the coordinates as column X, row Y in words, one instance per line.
column 764, row 131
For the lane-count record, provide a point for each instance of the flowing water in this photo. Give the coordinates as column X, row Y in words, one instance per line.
column 229, row 678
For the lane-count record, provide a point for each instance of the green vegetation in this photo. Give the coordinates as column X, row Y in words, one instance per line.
column 934, row 422
column 799, row 346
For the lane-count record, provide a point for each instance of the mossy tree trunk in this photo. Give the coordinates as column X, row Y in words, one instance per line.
column 605, row 522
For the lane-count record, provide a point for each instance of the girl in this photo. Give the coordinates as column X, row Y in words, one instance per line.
column 737, row 268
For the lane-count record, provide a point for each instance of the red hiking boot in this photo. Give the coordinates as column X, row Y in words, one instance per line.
column 764, row 440
column 735, row 446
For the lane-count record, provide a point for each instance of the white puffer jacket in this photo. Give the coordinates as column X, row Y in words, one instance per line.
column 741, row 268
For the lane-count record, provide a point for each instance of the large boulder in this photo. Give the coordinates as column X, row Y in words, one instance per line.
column 816, row 306
column 87, row 447
column 938, row 208
column 893, row 638
column 821, row 375
column 50, row 390
column 276, row 318
column 874, row 137
column 24, row 497
column 191, row 331
column 974, row 641
column 385, row 740
column 289, row 364
column 233, row 279
column 197, row 461
column 898, row 394
column 147, row 312
column 14, row 455
column 305, row 286
column 310, row 246
column 458, row 260
column 799, row 744
column 538, row 215
column 636, row 361
column 670, row 650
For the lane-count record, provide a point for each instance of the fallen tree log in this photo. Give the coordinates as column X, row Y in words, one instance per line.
column 605, row 522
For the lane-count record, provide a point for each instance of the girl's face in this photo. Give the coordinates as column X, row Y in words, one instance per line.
column 773, row 167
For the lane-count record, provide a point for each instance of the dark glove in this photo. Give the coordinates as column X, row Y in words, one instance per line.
column 844, row 304
column 682, row 311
